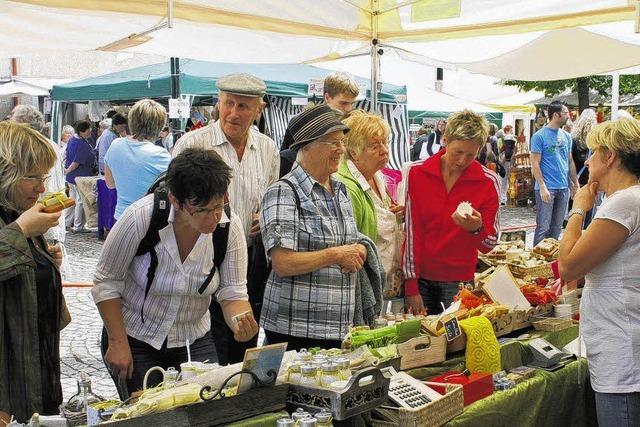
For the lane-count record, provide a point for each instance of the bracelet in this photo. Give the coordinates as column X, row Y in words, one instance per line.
column 577, row 211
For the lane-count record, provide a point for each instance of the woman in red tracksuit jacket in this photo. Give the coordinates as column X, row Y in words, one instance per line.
column 441, row 246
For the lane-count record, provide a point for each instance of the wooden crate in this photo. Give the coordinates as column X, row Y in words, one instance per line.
column 422, row 351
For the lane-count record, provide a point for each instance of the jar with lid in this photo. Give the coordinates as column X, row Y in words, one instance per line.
column 379, row 322
column 325, row 419
column 343, row 368
column 285, row 422
column 330, row 374
column 293, row 373
column 309, row 376
column 299, row 414
column 308, row 422
column 304, row 355
column 171, row 377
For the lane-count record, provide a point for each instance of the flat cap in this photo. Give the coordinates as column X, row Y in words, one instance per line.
column 242, row 84
column 313, row 124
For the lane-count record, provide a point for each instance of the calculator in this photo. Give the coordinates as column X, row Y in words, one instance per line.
column 406, row 391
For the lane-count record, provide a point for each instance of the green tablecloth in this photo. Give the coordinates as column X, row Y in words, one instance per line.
column 558, row 398
column 263, row 420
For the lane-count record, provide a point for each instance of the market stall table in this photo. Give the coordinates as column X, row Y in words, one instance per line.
column 548, row 398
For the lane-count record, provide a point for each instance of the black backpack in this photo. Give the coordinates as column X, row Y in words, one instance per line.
column 159, row 220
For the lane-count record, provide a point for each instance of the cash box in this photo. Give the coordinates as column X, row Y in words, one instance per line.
column 474, row 386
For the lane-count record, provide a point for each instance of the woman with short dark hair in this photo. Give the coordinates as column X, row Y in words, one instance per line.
column 148, row 324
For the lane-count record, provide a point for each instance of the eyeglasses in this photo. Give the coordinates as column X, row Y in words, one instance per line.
column 207, row 211
column 334, row 144
column 37, row 180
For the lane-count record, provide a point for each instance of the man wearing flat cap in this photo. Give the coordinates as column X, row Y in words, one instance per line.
column 255, row 162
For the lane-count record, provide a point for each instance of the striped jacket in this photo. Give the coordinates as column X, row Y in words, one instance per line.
column 436, row 248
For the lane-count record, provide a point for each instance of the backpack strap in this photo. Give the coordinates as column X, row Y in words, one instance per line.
column 295, row 193
column 220, row 241
column 159, row 220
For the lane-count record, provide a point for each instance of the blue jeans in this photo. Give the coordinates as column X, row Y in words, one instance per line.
column 618, row 409
column 549, row 216
column 433, row 293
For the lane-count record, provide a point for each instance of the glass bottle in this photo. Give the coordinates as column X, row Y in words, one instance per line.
column 84, row 397
column 309, row 376
column 330, row 374
column 293, row 373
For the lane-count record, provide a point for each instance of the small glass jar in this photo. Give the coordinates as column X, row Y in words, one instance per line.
column 379, row 322
column 308, row 422
column 330, row 374
column 304, row 355
column 325, row 419
column 293, row 373
column 171, row 377
column 299, row 414
column 343, row 368
column 285, row 422
column 309, row 376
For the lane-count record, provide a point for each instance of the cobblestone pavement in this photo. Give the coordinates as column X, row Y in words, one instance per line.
column 80, row 341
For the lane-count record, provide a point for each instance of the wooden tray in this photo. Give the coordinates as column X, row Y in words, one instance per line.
column 218, row 411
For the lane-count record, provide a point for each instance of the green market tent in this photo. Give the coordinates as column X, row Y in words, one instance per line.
column 197, row 81
column 417, row 116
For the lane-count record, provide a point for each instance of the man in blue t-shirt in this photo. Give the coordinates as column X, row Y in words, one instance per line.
column 554, row 171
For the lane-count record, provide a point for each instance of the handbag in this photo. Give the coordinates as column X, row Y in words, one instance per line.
column 500, row 169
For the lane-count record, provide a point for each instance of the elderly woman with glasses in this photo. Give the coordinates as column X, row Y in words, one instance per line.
column 311, row 237
column 31, row 301
column 153, row 310
column 377, row 215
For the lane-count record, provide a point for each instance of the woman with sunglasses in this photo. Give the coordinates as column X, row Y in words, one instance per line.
column 150, row 326
column 31, row 301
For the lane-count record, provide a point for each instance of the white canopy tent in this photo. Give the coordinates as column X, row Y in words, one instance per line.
column 19, row 88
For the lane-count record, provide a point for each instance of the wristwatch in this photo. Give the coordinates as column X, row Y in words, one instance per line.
column 478, row 230
column 576, row 211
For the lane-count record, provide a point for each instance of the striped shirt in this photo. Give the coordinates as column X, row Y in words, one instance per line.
column 258, row 169
column 435, row 247
column 319, row 304
column 173, row 310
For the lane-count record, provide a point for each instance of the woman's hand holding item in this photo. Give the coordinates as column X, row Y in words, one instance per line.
column 470, row 223
column 398, row 210
column 246, row 328
column 414, row 304
column 35, row 222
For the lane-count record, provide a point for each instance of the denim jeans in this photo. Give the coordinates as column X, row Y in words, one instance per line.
column 549, row 216
column 618, row 409
column 433, row 293
column 146, row 357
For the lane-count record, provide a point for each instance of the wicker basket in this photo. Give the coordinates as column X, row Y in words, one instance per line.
column 552, row 324
column 434, row 414
column 522, row 318
column 502, row 325
column 543, row 270
column 422, row 351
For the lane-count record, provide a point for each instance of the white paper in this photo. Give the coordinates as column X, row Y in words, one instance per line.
column 299, row 101
column 502, row 289
column 179, row 108
column 573, row 348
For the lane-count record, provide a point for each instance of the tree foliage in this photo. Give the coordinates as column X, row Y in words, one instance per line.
column 629, row 84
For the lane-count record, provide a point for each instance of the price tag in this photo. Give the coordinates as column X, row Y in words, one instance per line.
column 452, row 328
column 179, row 108
column 316, row 88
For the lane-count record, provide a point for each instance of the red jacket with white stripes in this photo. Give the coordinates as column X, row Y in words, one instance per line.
column 436, row 248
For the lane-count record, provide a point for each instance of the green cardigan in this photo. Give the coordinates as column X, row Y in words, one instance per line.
column 364, row 209
column 20, row 393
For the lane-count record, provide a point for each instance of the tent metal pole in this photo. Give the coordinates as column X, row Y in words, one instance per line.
column 615, row 94
column 374, row 56
column 175, row 90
